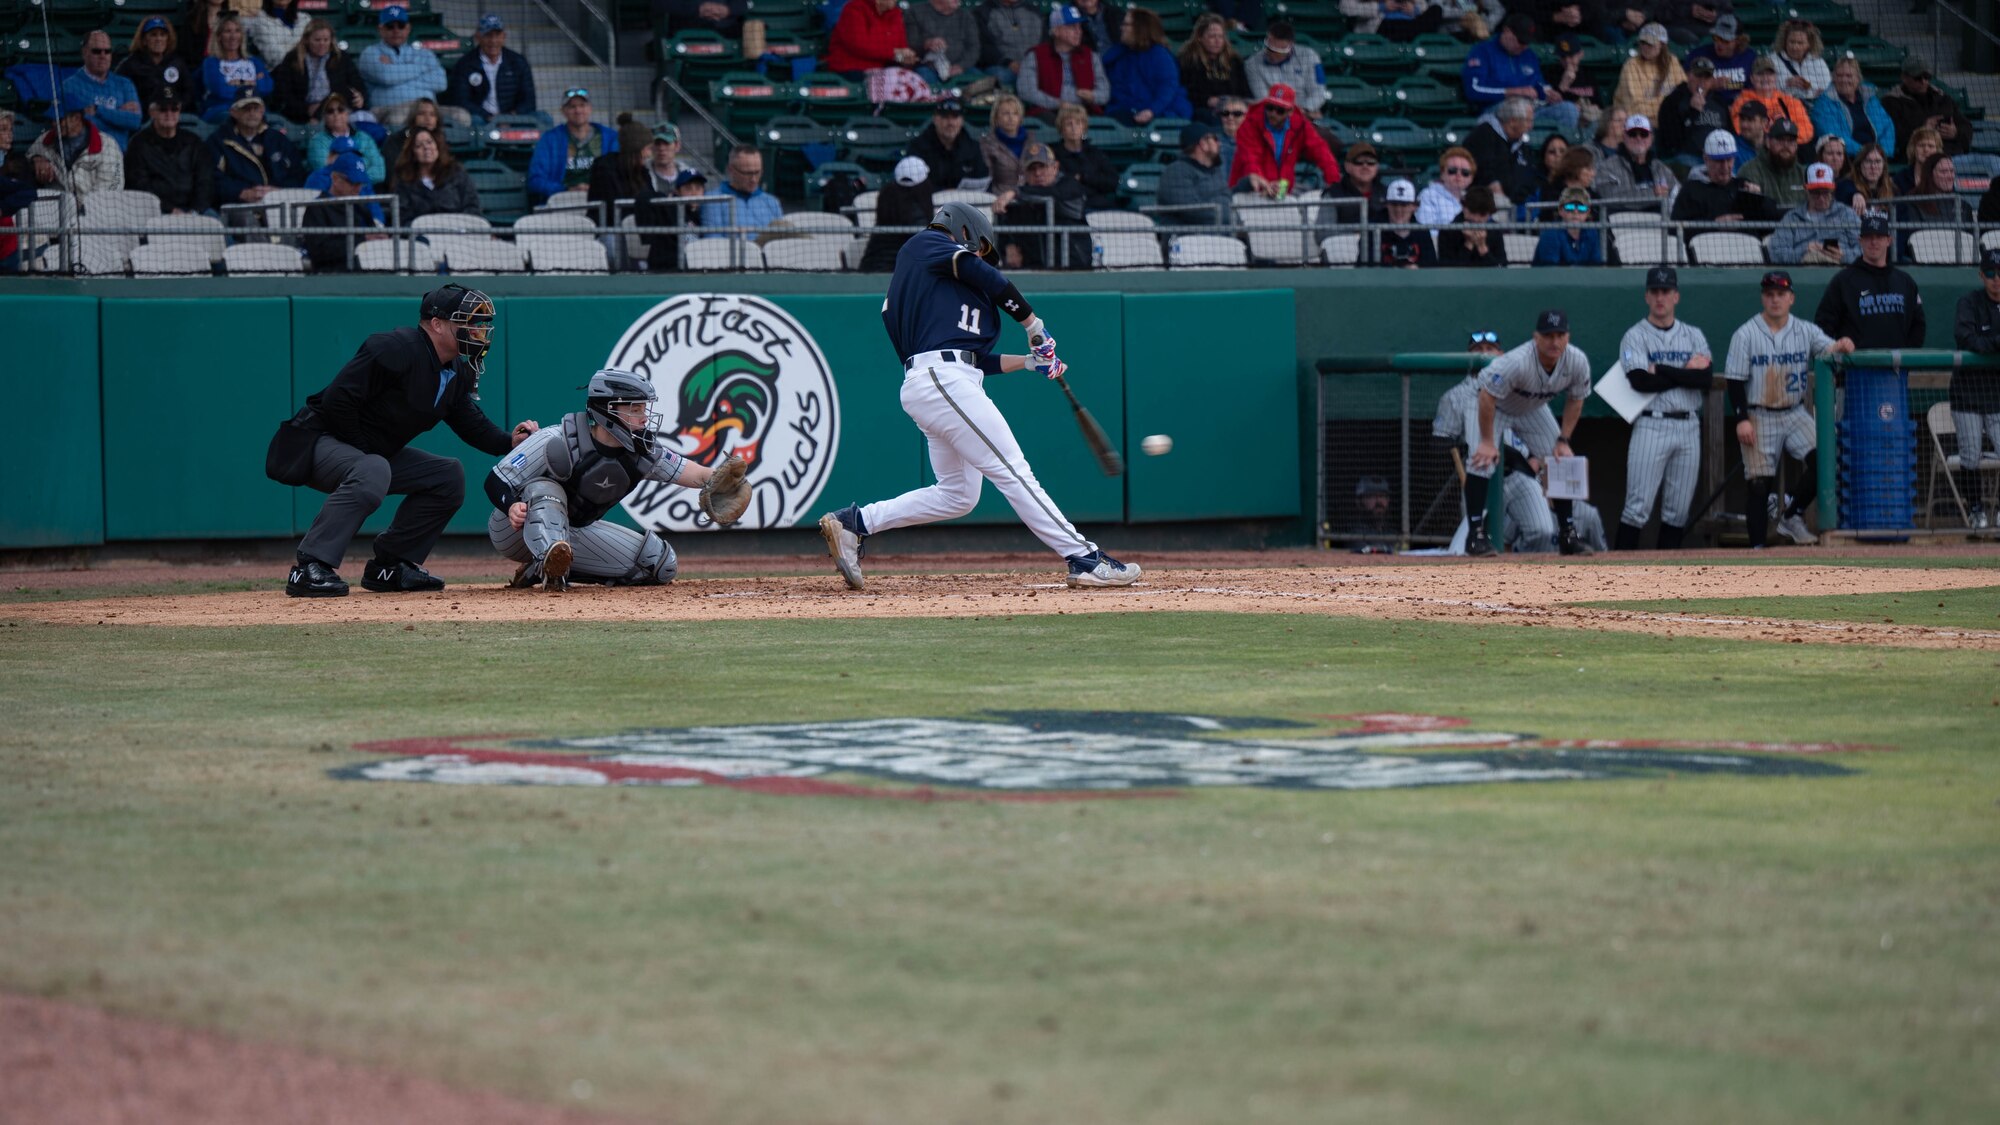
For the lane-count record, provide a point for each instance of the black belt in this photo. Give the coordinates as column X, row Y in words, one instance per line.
column 1675, row 415
column 1778, row 409
column 970, row 359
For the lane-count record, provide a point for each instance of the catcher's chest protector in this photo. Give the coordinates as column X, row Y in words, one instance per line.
column 598, row 478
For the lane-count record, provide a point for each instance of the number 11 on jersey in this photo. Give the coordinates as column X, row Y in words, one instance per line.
column 968, row 318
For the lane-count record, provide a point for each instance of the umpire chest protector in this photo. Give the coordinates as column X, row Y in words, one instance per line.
column 594, row 478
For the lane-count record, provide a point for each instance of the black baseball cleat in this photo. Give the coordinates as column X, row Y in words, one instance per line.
column 399, row 576
column 311, row 578
column 1479, row 547
column 1573, row 544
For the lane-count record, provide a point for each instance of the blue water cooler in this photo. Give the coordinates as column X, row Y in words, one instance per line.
column 1878, row 452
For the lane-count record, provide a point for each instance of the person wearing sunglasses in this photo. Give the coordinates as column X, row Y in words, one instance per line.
column 398, row 72
column 1271, row 143
column 1361, row 186
column 110, row 100
column 1574, row 243
column 1975, row 393
column 1443, row 198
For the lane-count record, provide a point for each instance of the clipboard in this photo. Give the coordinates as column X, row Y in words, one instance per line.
column 1617, row 393
column 1568, row 478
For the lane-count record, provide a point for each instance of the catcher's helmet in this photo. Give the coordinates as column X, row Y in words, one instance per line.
column 969, row 226
column 612, row 387
column 470, row 312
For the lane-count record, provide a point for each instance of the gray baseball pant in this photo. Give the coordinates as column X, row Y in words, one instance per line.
column 358, row 482
column 1663, row 450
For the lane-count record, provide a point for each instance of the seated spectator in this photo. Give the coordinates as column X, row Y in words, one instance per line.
column 1211, row 70
column 869, row 35
column 1145, row 79
column 73, row 156
column 1360, row 188
column 231, row 72
column 1690, row 114
column 723, row 16
column 1574, row 243
column 1577, row 169
column 665, row 165
column 565, row 153
column 1061, row 69
column 155, row 61
column 1504, row 66
column 109, row 100
column 672, row 208
column 1778, row 105
column 251, row 158
column 1400, row 21
column 1007, row 137
column 1925, row 142
column 1046, row 196
column 329, row 251
column 1851, row 111
column 170, row 162
column 1499, row 148
column 1874, row 188
column 203, row 18
column 1649, row 75
column 1799, row 55
column 430, row 181
column 1197, row 181
column 1937, row 177
column 1630, row 179
column 904, row 202
column 1714, row 193
column 1243, row 15
column 1008, row 30
column 1407, row 249
column 1569, row 78
column 314, row 70
column 950, row 153
column 1691, row 22
column 274, row 29
column 1271, row 143
column 1103, row 25
column 1916, row 104
column 1570, row 19
column 626, row 172
column 493, row 79
column 1283, row 61
column 1468, row 242
column 1231, row 114
column 1777, row 171
column 945, row 36
column 335, row 120
column 1082, row 161
column 748, row 205
column 1820, row 233
column 423, row 115
column 398, row 72
column 1731, row 54
column 1832, row 152
column 1754, row 124
column 17, row 191
column 1443, row 198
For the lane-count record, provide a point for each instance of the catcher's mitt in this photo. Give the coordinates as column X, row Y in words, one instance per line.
column 726, row 496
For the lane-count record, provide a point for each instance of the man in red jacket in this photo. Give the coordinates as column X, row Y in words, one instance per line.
column 870, row 35
column 1270, row 143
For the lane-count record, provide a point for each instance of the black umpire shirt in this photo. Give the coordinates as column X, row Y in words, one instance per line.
column 394, row 389
column 1874, row 307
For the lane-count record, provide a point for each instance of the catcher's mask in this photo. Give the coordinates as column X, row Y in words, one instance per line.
column 470, row 313
column 968, row 226
column 611, row 388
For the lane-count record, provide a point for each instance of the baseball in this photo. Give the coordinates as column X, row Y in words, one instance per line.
column 1156, row 445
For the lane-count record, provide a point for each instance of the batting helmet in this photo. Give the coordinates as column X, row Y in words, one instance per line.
column 611, row 388
column 968, row 226
column 470, row 313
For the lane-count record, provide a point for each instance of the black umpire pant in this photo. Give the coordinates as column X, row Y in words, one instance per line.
column 358, row 482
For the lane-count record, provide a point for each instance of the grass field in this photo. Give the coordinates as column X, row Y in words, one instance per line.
column 1669, row 948
column 1977, row 608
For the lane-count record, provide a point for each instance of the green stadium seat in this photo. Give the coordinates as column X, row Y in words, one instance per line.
column 1354, row 100
column 1881, row 61
column 1456, row 130
column 698, row 56
column 791, row 45
column 72, row 15
column 791, row 16
column 1402, row 141
column 745, row 99
column 1163, row 134
column 1426, row 101
column 424, row 19
column 519, row 132
column 828, row 97
column 1114, row 137
column 1141, row 184
column 503, row 191
column 1372, row 57
column 825, row 173
column 31, row 44
column 785, row 137
column 872, row 141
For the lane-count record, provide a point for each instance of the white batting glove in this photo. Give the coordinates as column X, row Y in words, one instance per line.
column 1052, row 369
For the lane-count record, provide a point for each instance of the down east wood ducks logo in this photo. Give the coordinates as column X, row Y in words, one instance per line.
column 736, row 375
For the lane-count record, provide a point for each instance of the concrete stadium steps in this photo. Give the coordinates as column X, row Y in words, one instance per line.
column 1895, row 21
column 558, row 64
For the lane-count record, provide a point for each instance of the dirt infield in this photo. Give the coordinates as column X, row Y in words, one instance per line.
column 1527, row 594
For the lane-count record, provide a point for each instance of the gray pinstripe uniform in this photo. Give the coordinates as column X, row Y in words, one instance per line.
column 1531, row 524
column 1778, row 367
column 1664, row 448
column 602, row 550
column 1521, row 391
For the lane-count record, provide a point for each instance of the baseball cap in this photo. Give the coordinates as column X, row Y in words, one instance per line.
column 949, row 107
column 1037, row 153
column 690, row 176
column 1196, row 132
column 1281, row 94
column 1776, row 279
column 1663, row 277
column 1653, row 33
column 491, row 21
column 394, row 13
column 1914, row 66
column 1819, row 176
column 166, row 97
column 1875, row 222
column 667, row 131
column 1783, row 130
column 1764, row 65
column 1725, row 28
column 154, row 23
column 1063, row 15
column 1552, row 321
column 1402, row 191
column 1371, row 486
column 575, row 92
column 1639, row 123
column 1359, row 149
column 1719, row 145
column 248, row 99
column 1990, row 260
column 338, row 145
column 911, row 171
column 350, row 167
column 1702, row 68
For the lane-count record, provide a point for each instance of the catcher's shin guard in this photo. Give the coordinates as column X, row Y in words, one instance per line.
column 548, row 517
column 655, row 565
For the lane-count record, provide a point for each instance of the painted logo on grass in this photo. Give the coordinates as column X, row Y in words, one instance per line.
column 1063, row 755
column 736, row 374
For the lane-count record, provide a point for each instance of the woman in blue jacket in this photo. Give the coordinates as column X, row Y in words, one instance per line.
column 230, row 73
column 1145, row 76
column 1849, row 110
column 1574, row 244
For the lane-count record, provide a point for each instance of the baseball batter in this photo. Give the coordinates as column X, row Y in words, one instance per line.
column 1770, row 373
column 1668, row 357
column 551, row 494
column 1514, row 392
column 941, row 313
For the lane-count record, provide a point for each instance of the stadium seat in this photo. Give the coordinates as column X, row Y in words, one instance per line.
column 864, row 208
column 490, row 255
column 1990, row 240
column 698, row 55
column 814, row 222
column 122, row 208
column 1942, row 248
column 382, row 255
column 745, row 99
column 1726, row 248
column 1520, row 248
column 873, row 141
column 1277, row 233
column 816, row 254
column 567, row 201
column 1341, row 249
column 451, row 223
column 1426, row 101
column 1206, row 251
column 1440, row 56
column 721, row 254
column 1114, row 137
column 259, row 259
column 198, row 239
column 1371, row 57
column 963, row 195
column 1354, row 100
column 1123, row 240
column 1941, row 425
column 1140, row 184
column 829, row 98
column 563, row 253
column 1163, row 134
column 1642, row 245
column 513, row 131
column 156, row 260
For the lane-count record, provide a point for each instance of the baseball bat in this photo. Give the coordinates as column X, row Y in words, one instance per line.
column 1093, row 434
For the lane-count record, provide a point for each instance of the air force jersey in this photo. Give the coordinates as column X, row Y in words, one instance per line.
column 1647, row 344
column 1518, row 384
column 942, row 297
column 1777, row 364
column 594, row 478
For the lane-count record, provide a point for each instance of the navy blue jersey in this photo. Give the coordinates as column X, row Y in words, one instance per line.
column 942, row 297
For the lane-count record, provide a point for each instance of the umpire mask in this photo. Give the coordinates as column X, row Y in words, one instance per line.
column 470, row 313
column 611, row 389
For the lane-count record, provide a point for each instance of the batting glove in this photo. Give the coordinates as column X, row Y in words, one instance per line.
column 1052, row 369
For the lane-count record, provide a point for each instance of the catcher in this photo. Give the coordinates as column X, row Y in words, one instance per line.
column 550, row 495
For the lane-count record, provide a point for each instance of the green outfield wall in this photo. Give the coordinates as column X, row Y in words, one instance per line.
column 141, row 409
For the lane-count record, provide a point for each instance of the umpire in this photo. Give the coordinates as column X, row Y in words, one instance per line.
column 352, row 441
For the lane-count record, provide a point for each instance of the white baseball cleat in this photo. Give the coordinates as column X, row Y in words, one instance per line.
column 1100, row 569
column 1793, row 527
column 844, row 544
